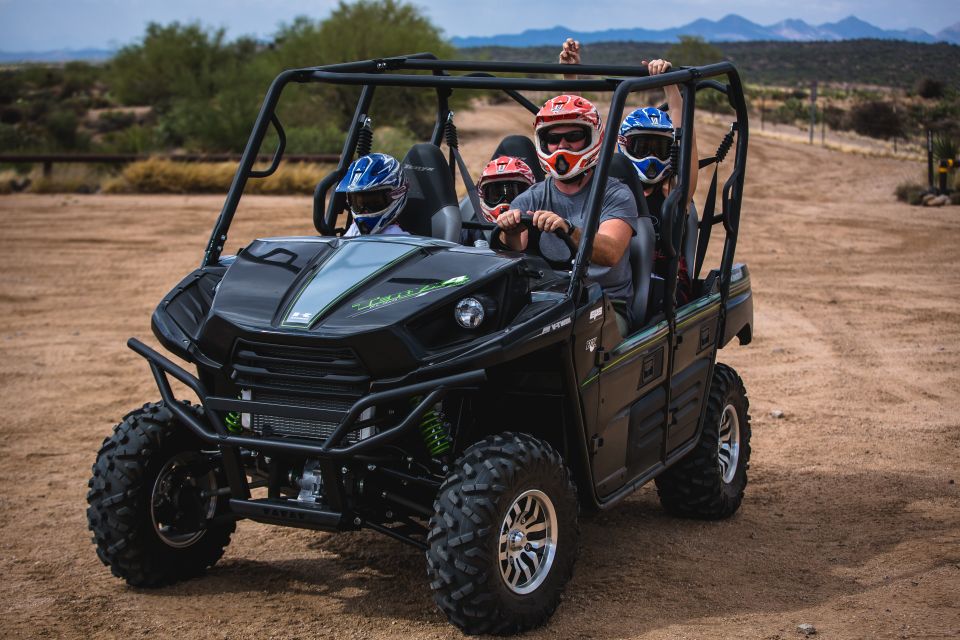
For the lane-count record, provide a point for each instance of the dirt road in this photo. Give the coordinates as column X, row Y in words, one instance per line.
column 852, row 516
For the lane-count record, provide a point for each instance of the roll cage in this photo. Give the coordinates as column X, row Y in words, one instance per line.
column 620, row 80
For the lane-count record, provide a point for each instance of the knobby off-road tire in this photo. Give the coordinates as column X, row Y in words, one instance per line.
column 708, row 483
column 126, row 500
column 507, row 498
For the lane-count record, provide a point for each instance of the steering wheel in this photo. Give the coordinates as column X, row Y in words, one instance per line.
column 526, row 220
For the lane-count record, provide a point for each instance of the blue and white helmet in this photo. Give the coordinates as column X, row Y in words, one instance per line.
column 646, row 137
column 376, row 191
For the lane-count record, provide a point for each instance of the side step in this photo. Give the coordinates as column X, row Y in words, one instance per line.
column 289, row 513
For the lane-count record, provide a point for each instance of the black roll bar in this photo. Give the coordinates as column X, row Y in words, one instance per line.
column 371, row 73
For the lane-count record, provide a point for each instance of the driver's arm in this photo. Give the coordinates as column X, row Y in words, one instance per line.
column 610, row 243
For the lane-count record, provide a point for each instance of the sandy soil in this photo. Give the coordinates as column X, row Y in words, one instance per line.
column 851, row 520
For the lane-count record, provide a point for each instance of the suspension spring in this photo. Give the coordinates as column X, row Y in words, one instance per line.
column 365, row 138
column 232, row 421
column 675, row 154
column 436, row 437
column 725, row 145
column 450, row 133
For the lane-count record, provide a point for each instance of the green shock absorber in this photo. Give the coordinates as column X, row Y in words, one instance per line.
column 232, row 421
column 435, row 434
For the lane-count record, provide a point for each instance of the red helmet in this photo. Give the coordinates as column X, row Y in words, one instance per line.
column 568, row 109
column 503, row 179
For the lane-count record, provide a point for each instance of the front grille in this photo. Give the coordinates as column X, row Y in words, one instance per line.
column 328, row 378
column 264, row 425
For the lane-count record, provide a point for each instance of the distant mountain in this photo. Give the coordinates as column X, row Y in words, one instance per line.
column 62, row 55
column 950, row 34
column 731, row 28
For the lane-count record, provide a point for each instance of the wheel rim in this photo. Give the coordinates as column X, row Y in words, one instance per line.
column 528, row 541
column 729, row 443
column 183, row 499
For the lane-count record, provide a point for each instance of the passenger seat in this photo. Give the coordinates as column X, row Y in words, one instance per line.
column 431, row 209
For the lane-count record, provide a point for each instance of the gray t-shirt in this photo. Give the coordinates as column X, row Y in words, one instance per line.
column 618, row 202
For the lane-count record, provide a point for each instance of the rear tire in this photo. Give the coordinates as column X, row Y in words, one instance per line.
column 708, row 483
column 504, row 536
column 149, row 520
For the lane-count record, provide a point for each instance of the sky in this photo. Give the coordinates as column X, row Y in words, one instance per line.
column 42, row 25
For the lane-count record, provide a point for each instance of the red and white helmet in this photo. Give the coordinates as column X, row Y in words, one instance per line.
column 503, row 179
column 568, row 109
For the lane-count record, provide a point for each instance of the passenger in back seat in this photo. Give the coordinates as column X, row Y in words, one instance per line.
column 503, row 179
column 646, row 137
column 376, row 191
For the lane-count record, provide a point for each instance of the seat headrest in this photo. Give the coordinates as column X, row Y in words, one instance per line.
column 431, row 209
column 521, row 147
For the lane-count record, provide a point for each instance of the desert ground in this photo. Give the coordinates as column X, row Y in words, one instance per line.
column 851, row 520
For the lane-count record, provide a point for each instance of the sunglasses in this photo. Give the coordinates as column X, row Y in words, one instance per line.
column 643, row 146
column 552, row 137
column 504, row 191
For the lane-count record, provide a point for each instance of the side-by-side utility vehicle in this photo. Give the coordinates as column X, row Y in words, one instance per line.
column 468, row 402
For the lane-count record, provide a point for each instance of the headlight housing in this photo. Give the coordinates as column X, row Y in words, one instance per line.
column 469, row 313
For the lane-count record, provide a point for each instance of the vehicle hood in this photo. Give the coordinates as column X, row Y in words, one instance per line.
column 339, row 287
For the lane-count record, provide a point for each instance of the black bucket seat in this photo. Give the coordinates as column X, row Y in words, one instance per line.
column 431, row 209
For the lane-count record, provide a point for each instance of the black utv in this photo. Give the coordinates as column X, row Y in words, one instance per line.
column 468, row 402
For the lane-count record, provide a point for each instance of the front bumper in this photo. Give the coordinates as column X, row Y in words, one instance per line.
column 212, row 431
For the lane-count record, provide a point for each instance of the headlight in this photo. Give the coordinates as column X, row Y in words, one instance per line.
column 469, row 313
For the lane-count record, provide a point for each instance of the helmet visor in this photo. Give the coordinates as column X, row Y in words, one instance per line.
column 366, row 202
column 502, row 191
column 645, row 145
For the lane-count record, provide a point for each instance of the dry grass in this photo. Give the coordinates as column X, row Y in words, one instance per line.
column 67, row 178
column 164, row 176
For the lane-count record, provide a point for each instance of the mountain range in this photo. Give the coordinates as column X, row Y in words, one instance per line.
column 731, row 28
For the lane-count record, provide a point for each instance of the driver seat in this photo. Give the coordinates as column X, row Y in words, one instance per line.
column 431, row 209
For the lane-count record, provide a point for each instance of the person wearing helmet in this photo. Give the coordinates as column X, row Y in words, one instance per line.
column 503, row 179
column 646, row 137
column 568, row 135
column 376, row 191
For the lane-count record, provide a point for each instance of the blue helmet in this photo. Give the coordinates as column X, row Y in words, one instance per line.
column 376, row 191
column 646, row 137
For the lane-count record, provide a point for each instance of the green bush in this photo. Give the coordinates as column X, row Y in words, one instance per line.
column 930, row 88
column 877, row 119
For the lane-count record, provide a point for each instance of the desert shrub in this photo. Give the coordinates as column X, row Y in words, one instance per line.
column 694, row 50
column 713, row 101
column 326, row 138
column 392, row 140
column 68, row 178
column 62, row 128
column 790, row 111
column 109, row 121
column 835, row 117
column 945, row 147
column 910, row 192
column 877, row 119
column 930, row 88
column 135, row 139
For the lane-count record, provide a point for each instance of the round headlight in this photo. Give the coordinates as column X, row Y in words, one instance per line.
column 469, row 313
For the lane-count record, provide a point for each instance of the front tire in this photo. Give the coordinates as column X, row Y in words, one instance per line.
column 708, row 483
column 152, row 499
column 504, row 536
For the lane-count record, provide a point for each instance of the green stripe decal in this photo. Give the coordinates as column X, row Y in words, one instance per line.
column 351, row 266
